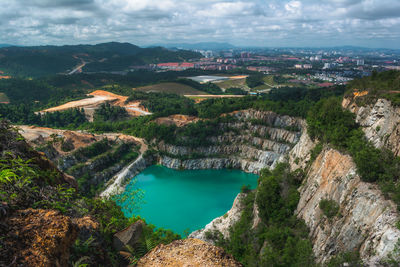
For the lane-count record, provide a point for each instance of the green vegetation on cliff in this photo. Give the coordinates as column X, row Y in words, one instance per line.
column 379, row 85
column 280, row 239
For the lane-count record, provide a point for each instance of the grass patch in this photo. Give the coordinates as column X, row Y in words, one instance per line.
column 269, row 79
column 262, row 87
column 236, row 83
column 172, row 88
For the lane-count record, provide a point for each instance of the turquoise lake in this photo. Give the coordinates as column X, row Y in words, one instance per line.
column 188, row 199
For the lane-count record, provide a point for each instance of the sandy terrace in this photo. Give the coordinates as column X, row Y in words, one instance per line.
column 136, row 109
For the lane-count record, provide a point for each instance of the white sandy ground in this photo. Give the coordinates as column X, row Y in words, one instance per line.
column 97, row 99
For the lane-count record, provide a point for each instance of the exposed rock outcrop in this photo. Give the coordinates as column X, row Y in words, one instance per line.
column 380, row 123
column 223, row 223
column 367, row 220
column 188, row 252
column 39, row 238
column 300, row 155
column 128, row 237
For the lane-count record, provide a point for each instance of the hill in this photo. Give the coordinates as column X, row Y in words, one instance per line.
column 38, row 61
column 5, row 45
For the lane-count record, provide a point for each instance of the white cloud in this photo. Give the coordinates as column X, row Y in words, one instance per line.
column 293, row 7
column 226, row 9
column 250, row 22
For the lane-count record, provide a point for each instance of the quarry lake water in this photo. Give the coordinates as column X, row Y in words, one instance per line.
column 185, row 200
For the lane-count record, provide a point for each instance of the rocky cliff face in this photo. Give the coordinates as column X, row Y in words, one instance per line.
column 366, row 222
column 380, row 122
column 300, row 154
column 260, row 140
column 223, row 223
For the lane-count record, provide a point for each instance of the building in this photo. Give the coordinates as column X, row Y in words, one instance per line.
column 244, row 54
column 327, row 66
column 392, row 67
column 360, row 62
column 304, row 66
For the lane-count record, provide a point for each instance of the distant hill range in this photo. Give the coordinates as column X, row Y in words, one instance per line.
column 34, row 61
column 5, row 45
column 202, row 46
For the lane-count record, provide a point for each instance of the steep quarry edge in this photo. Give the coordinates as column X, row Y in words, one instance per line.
column 116, row 185
column 223, row 223
column 367, row 220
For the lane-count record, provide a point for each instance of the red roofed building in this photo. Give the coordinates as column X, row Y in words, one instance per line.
column 187, row 65
column 325, row 84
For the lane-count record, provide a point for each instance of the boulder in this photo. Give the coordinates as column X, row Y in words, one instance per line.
column 129, row 236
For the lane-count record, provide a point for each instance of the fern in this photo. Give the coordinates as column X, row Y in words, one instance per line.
column 129, row 255
column 150, row 243
column 81, row 262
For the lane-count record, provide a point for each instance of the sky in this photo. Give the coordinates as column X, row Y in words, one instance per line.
column 268, row 23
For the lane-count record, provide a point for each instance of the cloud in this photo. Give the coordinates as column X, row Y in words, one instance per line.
column 250, row 22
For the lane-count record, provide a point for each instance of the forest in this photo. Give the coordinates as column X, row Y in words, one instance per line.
column 40, row 61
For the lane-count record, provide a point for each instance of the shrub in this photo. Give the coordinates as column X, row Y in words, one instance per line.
column 285, row 235
column 329, row 207
column 67, row 145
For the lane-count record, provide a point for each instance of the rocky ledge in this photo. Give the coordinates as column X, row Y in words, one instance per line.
column 188, row 252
